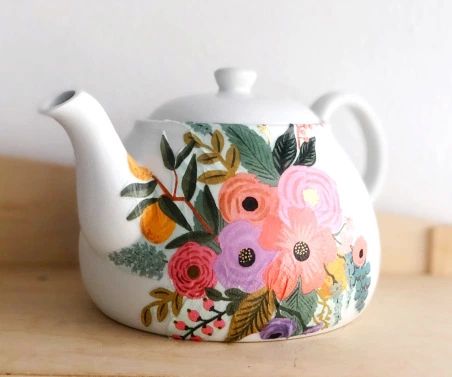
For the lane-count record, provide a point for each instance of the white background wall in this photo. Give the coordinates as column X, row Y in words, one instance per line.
column 134, row 55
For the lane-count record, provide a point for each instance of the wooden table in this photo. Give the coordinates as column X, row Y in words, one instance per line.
column 49, row 326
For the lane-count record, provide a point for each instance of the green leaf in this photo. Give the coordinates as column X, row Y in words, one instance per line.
column 138, row 210
column 217, row 141
column 214, row 294
column 213, row 177
column 167, row 154
column 235, row 294
column 202, row 128
column 183, row 154
column 139, row 190
column 232, row 307
column 285, row 150
column 171, row 210
column 208, row 158
column 300, row 307
column 197, row 236
column 210, row 209
column 142, row 259
column 307, row 155
column 189, row 179
column 255, row 153
column 252, row 314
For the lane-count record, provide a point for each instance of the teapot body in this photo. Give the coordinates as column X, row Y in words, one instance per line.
column 242, row 232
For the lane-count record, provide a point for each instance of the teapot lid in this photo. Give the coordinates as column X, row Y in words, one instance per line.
column 234, row 103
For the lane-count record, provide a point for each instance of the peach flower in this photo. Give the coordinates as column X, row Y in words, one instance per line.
column 308, row 187
column 304, row 247
column 243, row 197
column 359, row 252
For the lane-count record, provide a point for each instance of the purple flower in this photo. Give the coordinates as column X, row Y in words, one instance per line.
column 279, row 328
column 313, row 329
column 242, row 259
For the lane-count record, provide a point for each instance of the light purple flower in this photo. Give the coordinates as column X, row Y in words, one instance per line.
column 313, row 329
column 242, row 259
column 279, row 328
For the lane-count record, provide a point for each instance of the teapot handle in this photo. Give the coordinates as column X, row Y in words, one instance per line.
column 327, row 105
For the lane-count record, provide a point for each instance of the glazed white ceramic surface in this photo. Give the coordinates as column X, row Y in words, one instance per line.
column 103, row 172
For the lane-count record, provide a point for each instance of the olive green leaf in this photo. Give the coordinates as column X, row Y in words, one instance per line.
column 300, row 307
column 307, row 155
column 141, row 206
column 214, row 294
column 177, row 303
column 213, row 177
column 139, row 190
column 217, row 141
column 146, row 315
column 189, row 179
column 162, row 311
column 197, row 236
column 208, row 158
column 285, row 150
column 255, row 153
column 233, row 158
column 189, row 137
column 171, row 210
column 252, row 314
column 165, row 298
column 183, row 154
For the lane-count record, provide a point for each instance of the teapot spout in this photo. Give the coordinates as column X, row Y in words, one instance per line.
column 102, row 170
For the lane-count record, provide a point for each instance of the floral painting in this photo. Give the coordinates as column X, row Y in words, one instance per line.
column 250, row 239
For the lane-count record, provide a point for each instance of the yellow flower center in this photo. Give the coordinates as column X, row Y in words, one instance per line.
column 311, row 197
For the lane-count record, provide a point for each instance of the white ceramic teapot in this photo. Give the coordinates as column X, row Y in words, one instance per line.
column 229, row 217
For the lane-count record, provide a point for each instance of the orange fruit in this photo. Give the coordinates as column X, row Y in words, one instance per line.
column 138, row 171
column 155, row 225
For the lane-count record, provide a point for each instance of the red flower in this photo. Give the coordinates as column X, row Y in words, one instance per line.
column 190, row 269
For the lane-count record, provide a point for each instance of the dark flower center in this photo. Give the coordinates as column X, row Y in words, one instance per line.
column 250, row 204
column 193, row 272
column 301, row 251
column 247, row 257
column 361, row 253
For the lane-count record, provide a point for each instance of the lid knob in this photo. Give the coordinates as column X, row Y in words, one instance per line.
column 235, row 80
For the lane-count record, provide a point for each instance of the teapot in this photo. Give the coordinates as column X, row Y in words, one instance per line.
column 227, row 216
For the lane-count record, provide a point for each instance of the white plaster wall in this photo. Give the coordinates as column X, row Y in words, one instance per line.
column 134, row 55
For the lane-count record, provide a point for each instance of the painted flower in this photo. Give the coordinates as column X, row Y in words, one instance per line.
column 308, row 187
column 336, row 272
column 304, row 247
column 191, row 269
column 155, row 225
column 242, row 260
column 243, row 197
column 359, row 252
column 279, row 328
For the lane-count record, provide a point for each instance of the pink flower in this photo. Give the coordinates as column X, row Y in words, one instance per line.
column 191, row 269
column 308, row 187
column 304, row 248
column 359, row 252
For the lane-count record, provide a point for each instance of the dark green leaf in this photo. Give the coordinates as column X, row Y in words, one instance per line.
column 167, row 154
column 201, row 206
column 197, row 236
column 171, row 210
column 255, row 153
column 210, row 209
column 300, row 307
column 285, row 150
column 189, row 179
column 183, row 154
column 214, row 294
column 138, row 210
column 235, row 294
column 307, row 155
column 142, row 259
column 139, row 190
column 232, row 307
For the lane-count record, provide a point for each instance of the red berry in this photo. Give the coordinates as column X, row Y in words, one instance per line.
column 207, row 330
column 208, row 304
column 176, row 337
column 193, row 315
column 219, row 323
column 195, row 338
column 180, row 325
